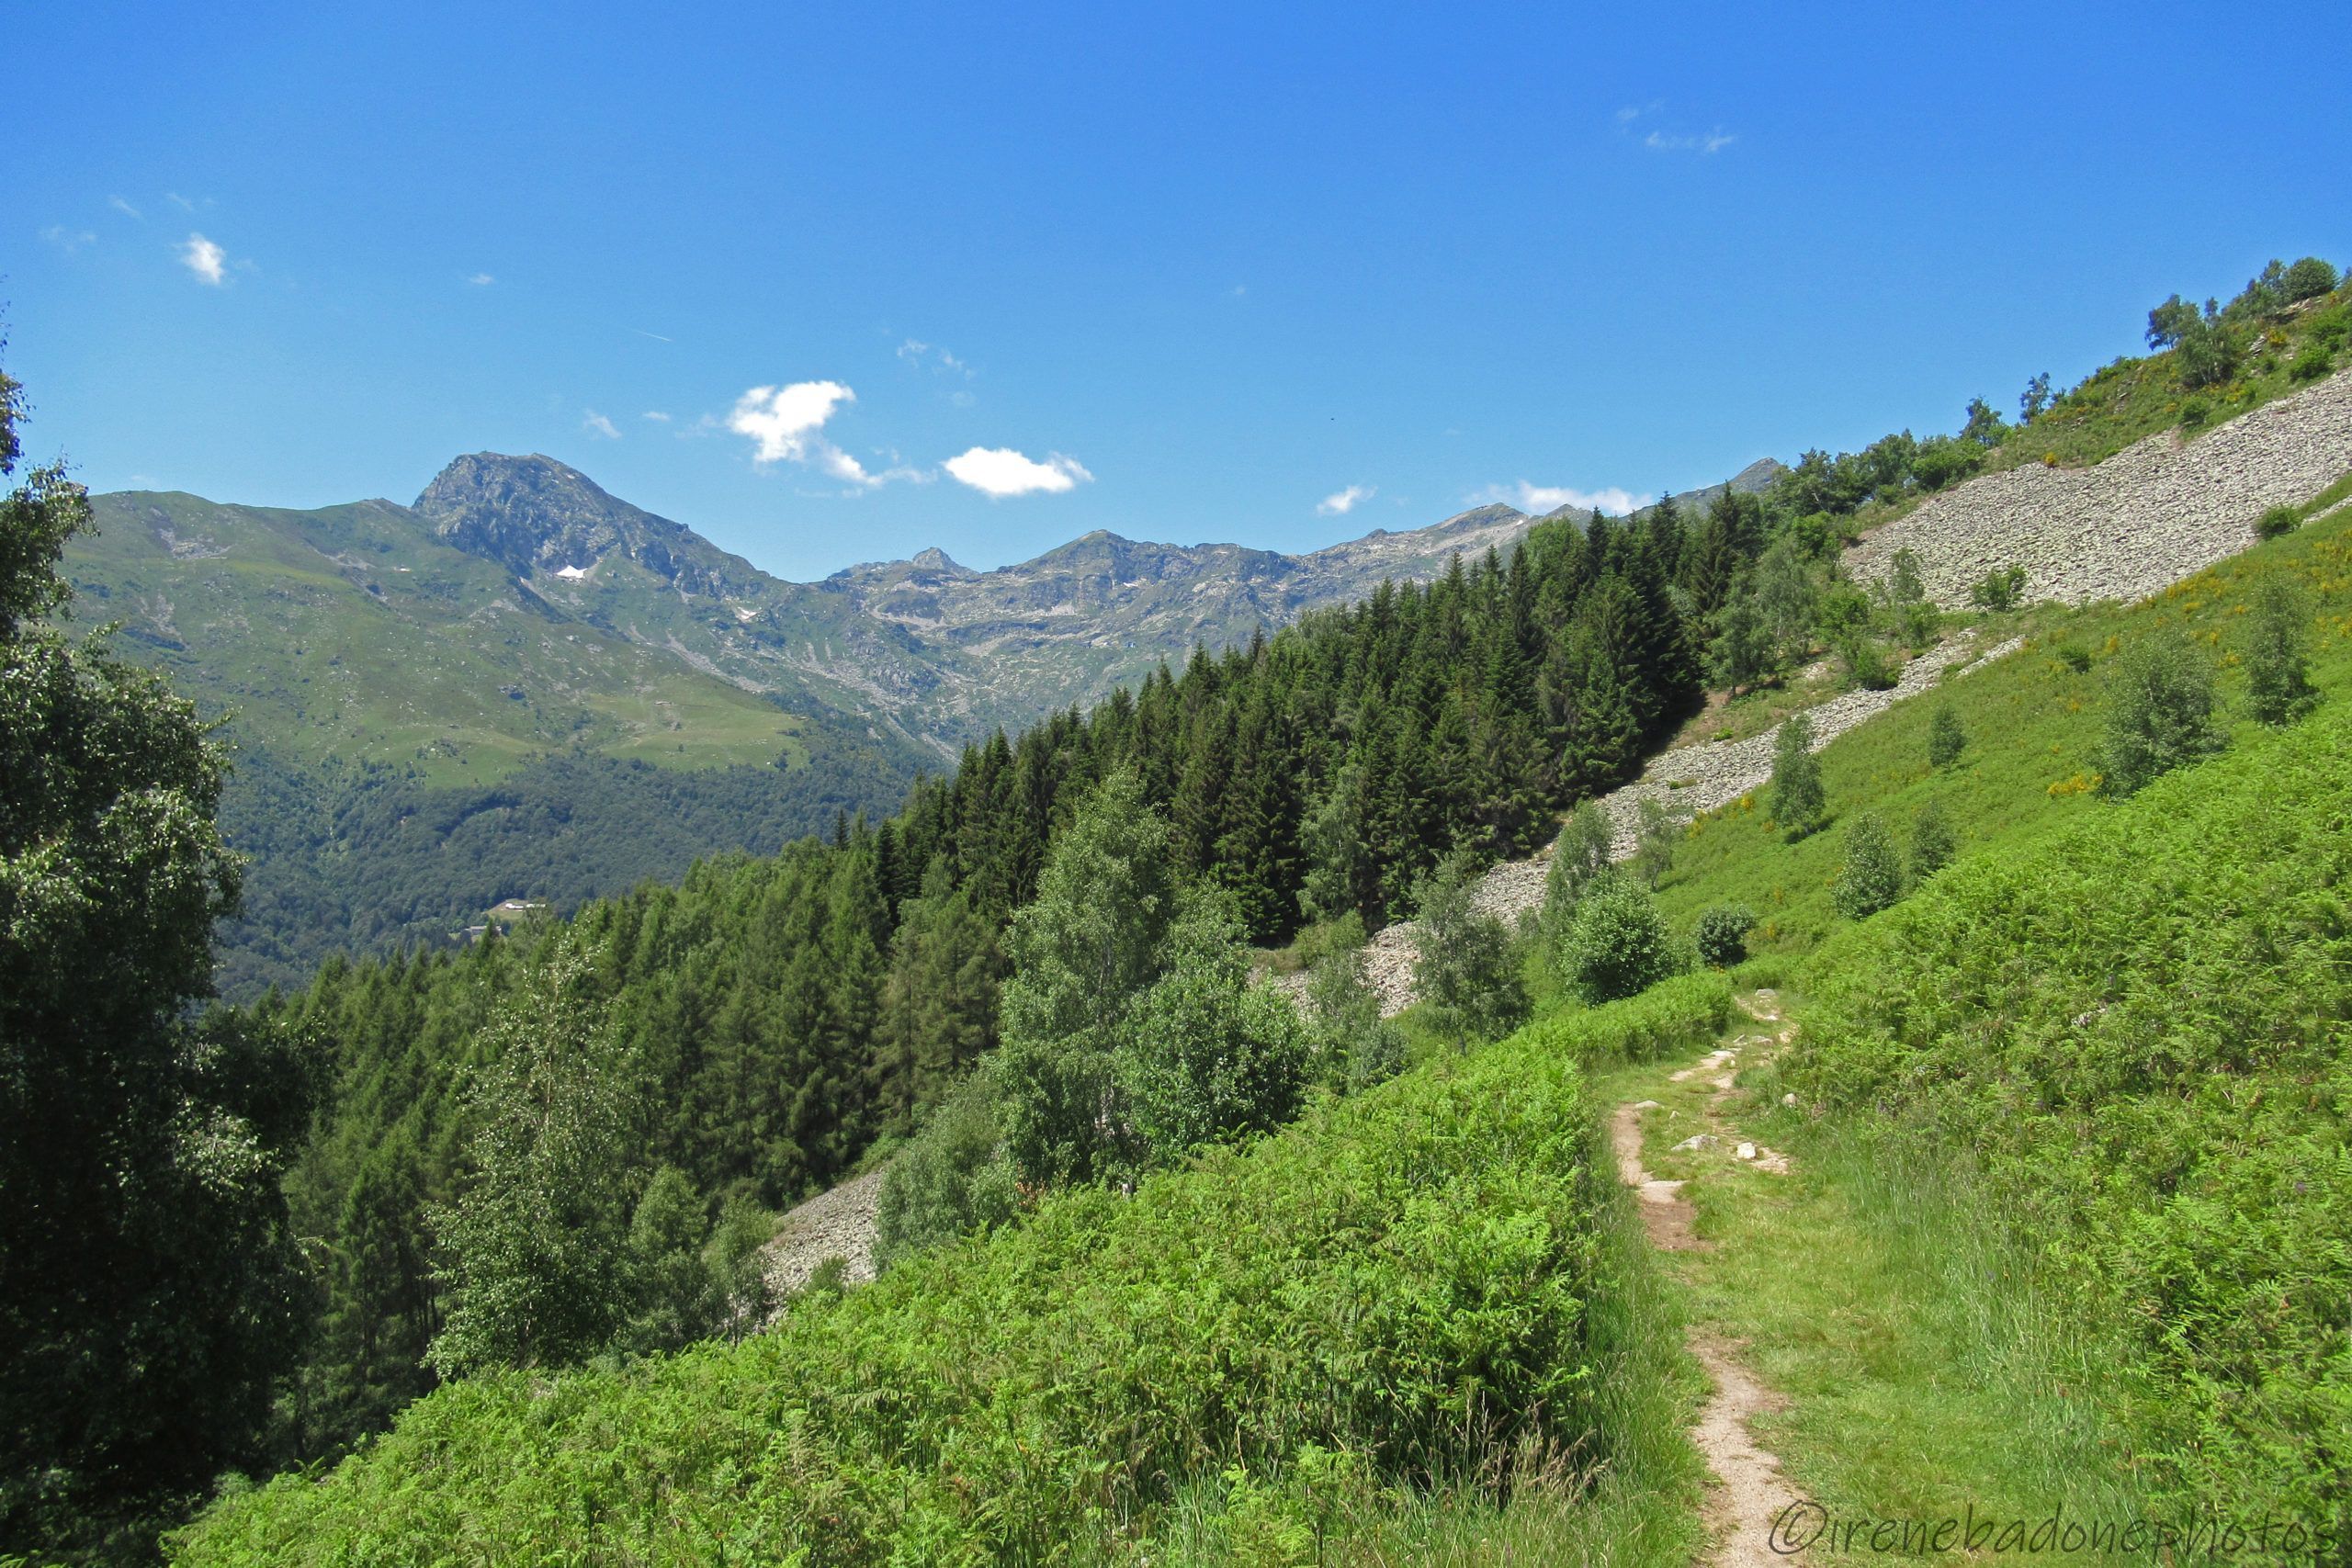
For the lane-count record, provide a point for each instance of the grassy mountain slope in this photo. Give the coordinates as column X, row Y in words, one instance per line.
column 354, row 632
column 2136, row 1029
column 2033, row 721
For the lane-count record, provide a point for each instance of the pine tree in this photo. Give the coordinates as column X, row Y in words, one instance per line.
column 938, row 1002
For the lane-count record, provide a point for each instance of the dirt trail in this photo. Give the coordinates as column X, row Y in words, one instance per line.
column 1751, row 1492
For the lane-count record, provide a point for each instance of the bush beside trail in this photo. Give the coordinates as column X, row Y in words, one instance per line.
column 1401, row 1280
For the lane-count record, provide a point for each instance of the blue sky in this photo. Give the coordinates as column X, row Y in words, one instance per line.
column 835, row 284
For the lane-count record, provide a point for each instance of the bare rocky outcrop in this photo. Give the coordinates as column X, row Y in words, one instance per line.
column 2134, row 524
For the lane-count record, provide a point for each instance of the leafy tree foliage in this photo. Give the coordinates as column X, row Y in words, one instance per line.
column 538, row 1270
column 2159, row 713
column 1872, row 878
column 1206, row 1057
column 1947, row 737
column 1084, row 952
column 1798, row 804
column 2276, row 654
column 1468, row 976
column 1617, row 944
column 148, row 1281
column 2035, row 400
column 1720, row 933
column 1658, row 825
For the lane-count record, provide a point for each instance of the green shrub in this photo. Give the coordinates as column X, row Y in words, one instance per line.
column 1410, row 1287
column 2309, row 365
column 1946, row 736
column 1872, row 876
column 1617, row 943
column 1867, row 667
column 1932, row 842
column 2277, row 653
column 2136, row 1028
column 1998, row 590
column 1798, row 805
column 2160, row 713
column 2073, row 655
column 2194, row 411
column 953, row 1177
column 1720, row 933
column 2277, row 521
column 1469, row 978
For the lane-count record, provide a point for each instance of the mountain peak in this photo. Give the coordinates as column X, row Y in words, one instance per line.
column 533, row 514
column 936, row 560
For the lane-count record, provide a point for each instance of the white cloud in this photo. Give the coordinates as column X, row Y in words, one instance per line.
column 597, row 424
column 1000, row 471
column 1713, row 141
column 1537, row 500
column 657, row 337
column 205, row 259
column 123, row 207
column 782, row 420
column 656, row 415
column 481, row 280
column 68, row 240
column 785, row 425
column 1339, row 503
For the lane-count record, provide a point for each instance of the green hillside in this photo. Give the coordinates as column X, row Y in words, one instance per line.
column 1421, row 1292
column 417, row 735
column 352, row 633
column 2033, row 725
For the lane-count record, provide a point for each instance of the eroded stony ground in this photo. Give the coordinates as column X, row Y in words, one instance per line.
column 2134, row 524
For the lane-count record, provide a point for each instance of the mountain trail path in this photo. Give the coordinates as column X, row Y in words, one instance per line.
column 1750, row 1493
